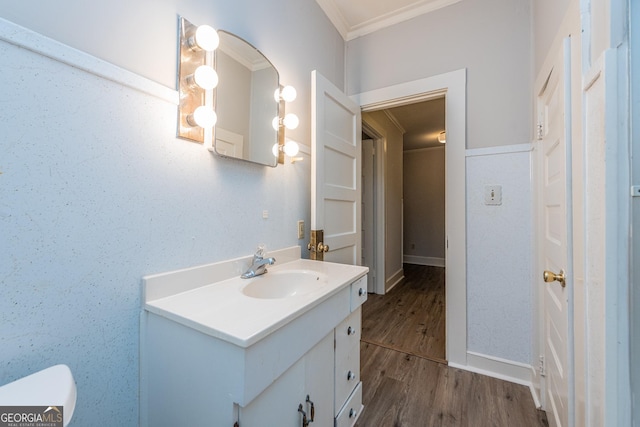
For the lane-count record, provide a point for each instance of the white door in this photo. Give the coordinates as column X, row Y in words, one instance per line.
column 368, row 211
column 335, row 174
column 555, row 215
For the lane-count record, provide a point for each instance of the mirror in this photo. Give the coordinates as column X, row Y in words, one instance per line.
column 244, row 102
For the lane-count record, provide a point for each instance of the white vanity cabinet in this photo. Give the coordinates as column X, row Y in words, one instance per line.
column 310, row 376
column 348, row 387
column 211, row 356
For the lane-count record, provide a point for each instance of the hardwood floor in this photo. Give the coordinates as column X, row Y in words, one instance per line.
column 411, row 317
column 406, row 381
column 401, row 390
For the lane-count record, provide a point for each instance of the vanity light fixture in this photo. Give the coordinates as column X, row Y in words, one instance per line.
column 196, row 80
column 290, row 148
column 287, row 94
column 203, row 117
column 442, row 137
column 289, row 121
column 205, row 38
column 204, row 77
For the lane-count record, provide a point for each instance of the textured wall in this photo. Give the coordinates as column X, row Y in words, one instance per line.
column 96, row 191
column 499, row 256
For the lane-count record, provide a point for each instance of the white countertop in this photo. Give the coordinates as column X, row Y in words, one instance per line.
column 221, row 310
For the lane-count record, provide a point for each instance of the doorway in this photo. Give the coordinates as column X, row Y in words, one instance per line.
column 410, row 317
column 453, row 87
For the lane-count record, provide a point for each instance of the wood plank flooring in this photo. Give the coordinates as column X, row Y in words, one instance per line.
column 410, row 317
column 401, row 390
column 406, row 381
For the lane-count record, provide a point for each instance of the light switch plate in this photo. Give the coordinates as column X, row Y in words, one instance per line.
column 493, row 195
column 300, row 229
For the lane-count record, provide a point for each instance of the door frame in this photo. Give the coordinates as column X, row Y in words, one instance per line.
column 453, row 86
column 379, row 218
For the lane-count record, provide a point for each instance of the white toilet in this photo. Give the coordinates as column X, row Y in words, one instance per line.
column 53, row 387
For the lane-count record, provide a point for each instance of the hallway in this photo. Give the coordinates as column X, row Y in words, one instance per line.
column 411, row 316
column 402, row 389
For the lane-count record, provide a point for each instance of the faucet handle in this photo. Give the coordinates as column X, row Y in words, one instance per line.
column 260, row 251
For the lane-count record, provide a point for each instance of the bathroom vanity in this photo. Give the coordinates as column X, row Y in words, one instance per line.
column 279, row 349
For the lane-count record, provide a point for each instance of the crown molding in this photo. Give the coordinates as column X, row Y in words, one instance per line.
column 350, row 32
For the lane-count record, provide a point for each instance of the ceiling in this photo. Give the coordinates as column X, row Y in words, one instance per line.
column 421, row 123
column 355, row 18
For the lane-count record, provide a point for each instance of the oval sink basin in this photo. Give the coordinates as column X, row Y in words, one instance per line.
column 284, row 284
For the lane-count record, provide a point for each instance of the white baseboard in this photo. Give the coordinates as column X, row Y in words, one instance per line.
column 502, row 369
column 394, row 280
column 424, row 260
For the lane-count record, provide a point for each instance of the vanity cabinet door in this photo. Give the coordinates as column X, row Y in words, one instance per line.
column 312, row 375
column 347, row 354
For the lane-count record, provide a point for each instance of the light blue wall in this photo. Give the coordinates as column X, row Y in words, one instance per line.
column 490, row 38
column 493, row 41
column 500, row 256
column 96, row 191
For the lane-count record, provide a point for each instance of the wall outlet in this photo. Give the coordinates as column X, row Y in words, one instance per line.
column 300, row 229
column 493, row 194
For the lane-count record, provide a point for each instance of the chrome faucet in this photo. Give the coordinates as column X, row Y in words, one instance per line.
column 258, row 265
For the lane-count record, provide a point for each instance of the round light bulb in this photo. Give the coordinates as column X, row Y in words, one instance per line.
column 205, row 117
column 288, row 93
column 206, row 38
column 291, row 121
column 275, row 149
column 291, row 148
column 275, row 123
column 206, row 77
column 276, row 95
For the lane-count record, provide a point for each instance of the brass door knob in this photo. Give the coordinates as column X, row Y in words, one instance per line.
column 322, row 247
column 550, row 276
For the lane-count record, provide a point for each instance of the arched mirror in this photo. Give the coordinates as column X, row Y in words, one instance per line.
column 244, row 102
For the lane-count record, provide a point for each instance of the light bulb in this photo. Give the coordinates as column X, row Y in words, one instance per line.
column 291, row 148
column 291, row 121
column 204, row 117
column 288, row 93
column 205, row 77
column 275, row 149
column 276, row 95
column 206, row 38
column 276, row 123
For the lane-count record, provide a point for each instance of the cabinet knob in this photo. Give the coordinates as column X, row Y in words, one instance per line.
column 361, row 292
column 351, row 376
column 353, row 413
column 351, row 331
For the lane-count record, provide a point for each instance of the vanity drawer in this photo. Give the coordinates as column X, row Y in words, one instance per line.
column 351, row 410
column 358, row 292
column 347, row 357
